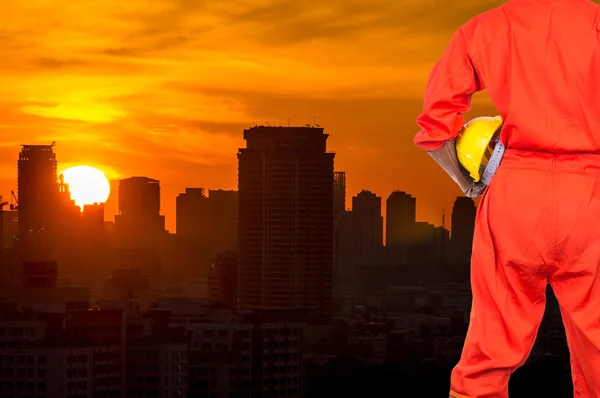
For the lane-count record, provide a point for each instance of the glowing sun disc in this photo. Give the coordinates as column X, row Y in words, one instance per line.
column 88, row 185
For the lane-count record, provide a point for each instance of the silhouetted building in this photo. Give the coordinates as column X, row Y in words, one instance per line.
column 369, row 227
column 104, row 330
column 139, row 217
column 157, row 356
column 339, row 193
column 64, row 237
column 277, row 337
column 401, row 213
column 206, row 225
column 224, row 211
column 140, row 230
column 42, row 366
column 42, row 274
column 247, row 354
column 339, row 207
column 10, row 227
column 222, row 279
column 67, row 215
column 463, row 227
column 347, row 249
column 442, row 236
column 130, row 285
column 94, row 245
column 37, row 187
column 111, row 206
column 194, row 248
column 193, row 216
column 285, row 224
column 93, row 216
column 429, row 242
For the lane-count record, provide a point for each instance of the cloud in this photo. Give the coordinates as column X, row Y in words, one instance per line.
column 86, row 112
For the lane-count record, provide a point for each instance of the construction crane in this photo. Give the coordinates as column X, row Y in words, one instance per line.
column 14, row 206
column 2, row 203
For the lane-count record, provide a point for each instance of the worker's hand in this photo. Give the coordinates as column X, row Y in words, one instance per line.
column 446, row 157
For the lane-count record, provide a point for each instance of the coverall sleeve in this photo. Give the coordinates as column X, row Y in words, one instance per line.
column 452, row 82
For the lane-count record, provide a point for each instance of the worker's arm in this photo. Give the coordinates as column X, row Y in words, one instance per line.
column 451, row 85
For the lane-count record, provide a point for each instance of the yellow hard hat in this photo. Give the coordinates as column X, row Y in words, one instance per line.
column 473, row 143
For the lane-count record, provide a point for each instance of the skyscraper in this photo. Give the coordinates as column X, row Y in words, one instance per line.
column 140, row 231
column 285, row 228
column 463, row 227
column 367, row 208
column 339, row 193
column 339, row 207
column 37, row 187
column 139, row 217
column 211, row 218
column 194, row 249
column 347, row 254
column 224, row 211
column 400, row 225
column 193, row 215
column 401, row 216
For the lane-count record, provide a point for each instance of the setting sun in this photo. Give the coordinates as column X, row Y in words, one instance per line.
column 88, row 185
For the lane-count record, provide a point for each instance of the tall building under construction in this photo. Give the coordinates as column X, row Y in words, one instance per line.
column 285, row 227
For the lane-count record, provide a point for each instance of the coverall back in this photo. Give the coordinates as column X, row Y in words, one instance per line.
column 538, row 221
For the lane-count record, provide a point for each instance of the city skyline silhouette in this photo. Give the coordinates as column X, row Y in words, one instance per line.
column 230, row 273
column 141, row 89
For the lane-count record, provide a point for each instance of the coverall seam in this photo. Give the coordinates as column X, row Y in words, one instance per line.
column 447, row 80
column 554, row 216
column 474, row 54
column 493, row 39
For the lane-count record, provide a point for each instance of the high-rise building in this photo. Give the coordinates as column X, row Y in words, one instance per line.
column 37, row 188
column 369, row 239
column 224, row 211
column 285, row 228
column 206, row 225
column 339, row 208
column 10, row 227
column 429, row 243
column 463, row 227
column 400, row 226
column 48, row 217
column 93, row 216
column 211, row 218
column 401, row 216
column 222, row 279
column 139, row 217
column 140, row 231
column 193, row 215
column 347, row 249
column 339, row 193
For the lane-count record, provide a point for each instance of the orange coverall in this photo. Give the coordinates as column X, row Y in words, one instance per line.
column 538, row 221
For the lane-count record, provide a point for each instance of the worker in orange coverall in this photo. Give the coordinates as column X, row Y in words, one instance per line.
column 538, row 221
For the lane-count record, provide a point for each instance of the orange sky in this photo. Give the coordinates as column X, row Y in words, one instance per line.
column 164, row 88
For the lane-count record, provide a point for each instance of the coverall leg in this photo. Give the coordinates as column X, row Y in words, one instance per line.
column 536, row 224
column 576, row 279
